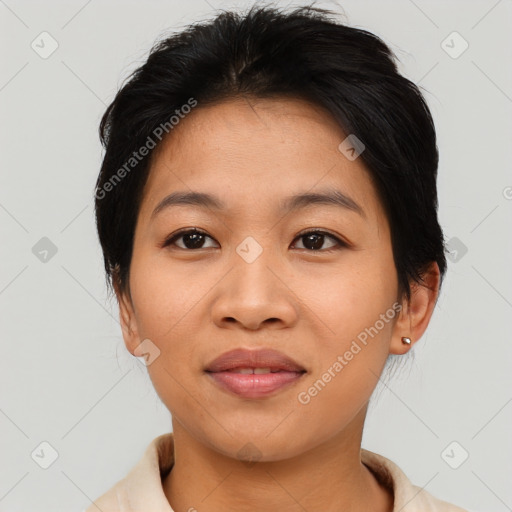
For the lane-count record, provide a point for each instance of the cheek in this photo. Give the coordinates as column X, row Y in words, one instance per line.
column 165, row 296
column 165, row 300
column 357, row 309
column 354, row 295
column 350, row 354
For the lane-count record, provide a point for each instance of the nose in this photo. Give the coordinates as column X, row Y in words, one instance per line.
column 255, row 295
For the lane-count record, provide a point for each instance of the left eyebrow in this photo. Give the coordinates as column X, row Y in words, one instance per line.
column 329, row 197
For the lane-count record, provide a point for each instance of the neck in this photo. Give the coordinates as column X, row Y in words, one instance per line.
column 329, row 477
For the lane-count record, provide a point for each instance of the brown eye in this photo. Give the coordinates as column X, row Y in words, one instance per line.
column 314, row 240
column 191, row 239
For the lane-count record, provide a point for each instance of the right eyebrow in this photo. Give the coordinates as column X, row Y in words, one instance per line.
column 328, row 197
column 200, row 199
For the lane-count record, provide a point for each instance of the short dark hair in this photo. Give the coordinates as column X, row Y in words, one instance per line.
column 270, row 53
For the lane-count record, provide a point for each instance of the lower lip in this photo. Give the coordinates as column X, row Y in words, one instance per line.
column 254, row 385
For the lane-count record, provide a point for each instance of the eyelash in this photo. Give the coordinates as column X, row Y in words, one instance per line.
column 340, row 243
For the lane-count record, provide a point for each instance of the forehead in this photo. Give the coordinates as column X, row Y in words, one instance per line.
column 254, row 152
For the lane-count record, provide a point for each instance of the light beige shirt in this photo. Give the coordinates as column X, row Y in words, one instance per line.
column 141, row 490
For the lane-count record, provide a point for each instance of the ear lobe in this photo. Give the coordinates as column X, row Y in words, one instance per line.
column 127, row 320
column 417, row 312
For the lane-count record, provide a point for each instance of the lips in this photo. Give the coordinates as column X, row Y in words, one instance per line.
column 254, row 373
column 263, row 358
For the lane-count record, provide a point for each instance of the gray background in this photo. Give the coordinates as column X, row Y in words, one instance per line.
column 65, row 376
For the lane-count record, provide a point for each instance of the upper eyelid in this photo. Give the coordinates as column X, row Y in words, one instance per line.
column 340, row 240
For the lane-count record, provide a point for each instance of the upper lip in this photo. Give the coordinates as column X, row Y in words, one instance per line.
column 259, row 358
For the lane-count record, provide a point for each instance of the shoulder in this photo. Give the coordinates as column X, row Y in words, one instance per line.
column 407, row 497
column 108, row 502
column 141, row 489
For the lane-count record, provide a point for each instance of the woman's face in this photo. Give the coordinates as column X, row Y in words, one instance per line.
column 259, row 279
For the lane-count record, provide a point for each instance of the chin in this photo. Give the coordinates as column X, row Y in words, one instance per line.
column 256, row 446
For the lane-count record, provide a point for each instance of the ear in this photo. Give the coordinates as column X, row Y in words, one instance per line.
column 127, row 319
column 416, row 313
